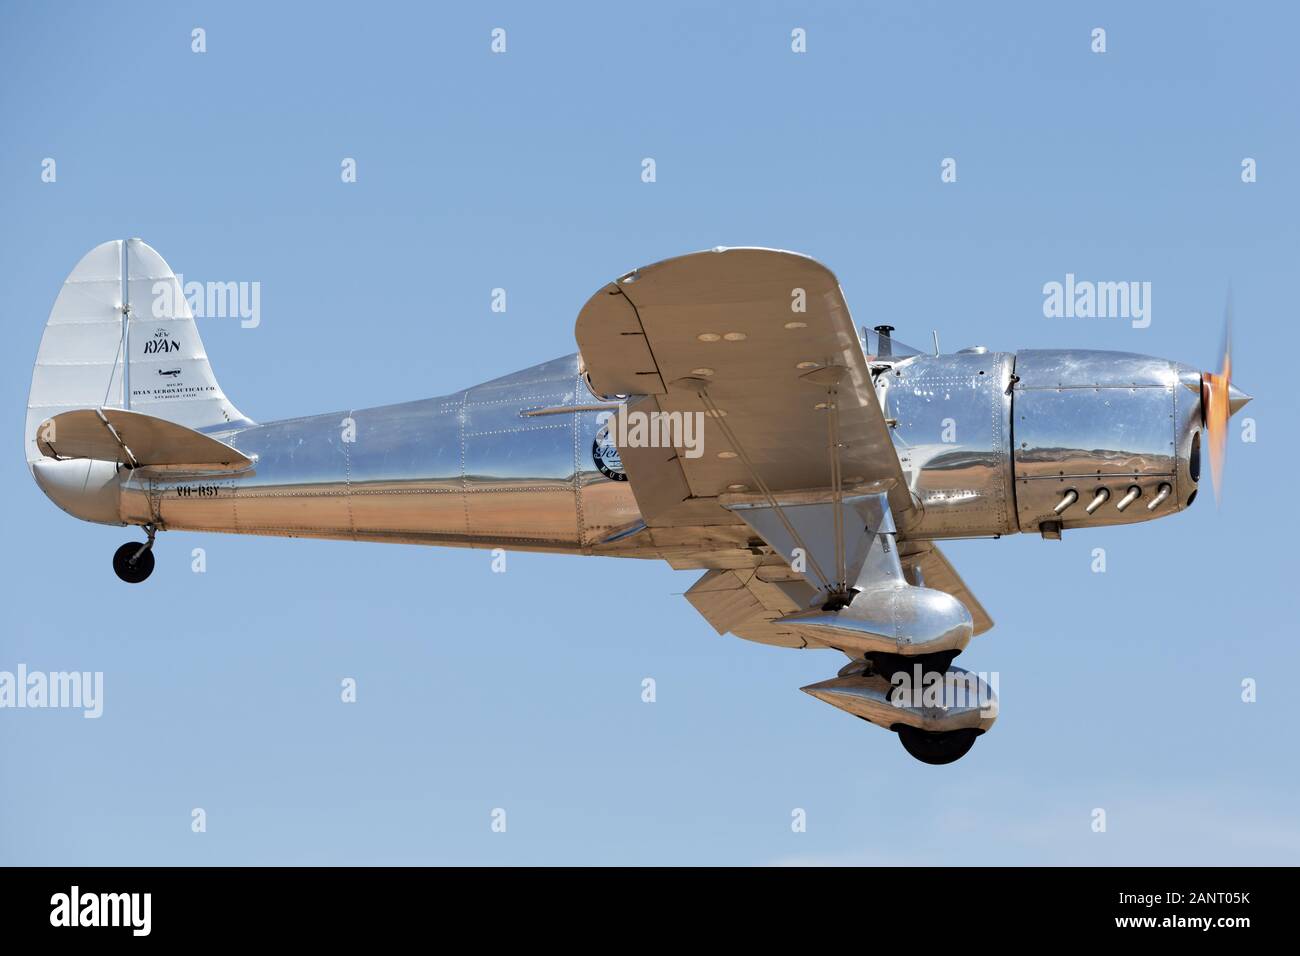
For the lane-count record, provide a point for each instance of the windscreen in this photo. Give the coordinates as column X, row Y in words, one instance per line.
column 883, row 345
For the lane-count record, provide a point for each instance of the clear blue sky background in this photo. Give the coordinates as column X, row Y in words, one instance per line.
column 477, row 690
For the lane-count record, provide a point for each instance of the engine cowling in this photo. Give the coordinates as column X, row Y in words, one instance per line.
column 1102, row 438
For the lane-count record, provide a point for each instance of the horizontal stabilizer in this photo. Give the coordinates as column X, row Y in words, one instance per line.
column 135, row 440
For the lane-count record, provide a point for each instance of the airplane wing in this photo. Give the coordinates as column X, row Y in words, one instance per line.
column 741, row 335
column 752, row 339
column 751, row 602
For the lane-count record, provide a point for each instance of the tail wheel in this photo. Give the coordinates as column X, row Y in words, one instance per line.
column 131, row 564
column 936, row 747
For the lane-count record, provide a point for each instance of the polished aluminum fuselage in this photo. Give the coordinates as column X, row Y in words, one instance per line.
column 504, row 464
column 989, row 442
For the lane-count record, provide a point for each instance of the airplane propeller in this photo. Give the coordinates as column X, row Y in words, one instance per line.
column 1220, row 400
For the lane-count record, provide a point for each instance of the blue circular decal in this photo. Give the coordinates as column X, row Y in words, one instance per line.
column 605, row 454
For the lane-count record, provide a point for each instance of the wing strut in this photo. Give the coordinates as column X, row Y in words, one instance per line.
column 720, row 420
column 830, row 377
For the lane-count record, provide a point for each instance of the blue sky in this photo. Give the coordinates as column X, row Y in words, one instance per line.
column 523, row 690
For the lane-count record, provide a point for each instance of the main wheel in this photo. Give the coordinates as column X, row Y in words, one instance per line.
column 130, row 568
column 937, row 747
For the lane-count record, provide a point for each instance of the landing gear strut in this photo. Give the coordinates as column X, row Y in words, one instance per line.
column 133, row 562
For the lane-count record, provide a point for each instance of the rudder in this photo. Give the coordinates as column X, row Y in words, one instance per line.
column 121, row 296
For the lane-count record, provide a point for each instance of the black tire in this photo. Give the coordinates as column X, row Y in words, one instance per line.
column 128, row 567
column 936, row 747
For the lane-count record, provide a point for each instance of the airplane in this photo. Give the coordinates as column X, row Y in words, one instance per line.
column 824, row 465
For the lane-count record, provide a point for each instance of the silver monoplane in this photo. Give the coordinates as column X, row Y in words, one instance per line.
column 723, row 414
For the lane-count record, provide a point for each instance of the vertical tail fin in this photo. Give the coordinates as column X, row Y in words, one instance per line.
column 122, row 299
